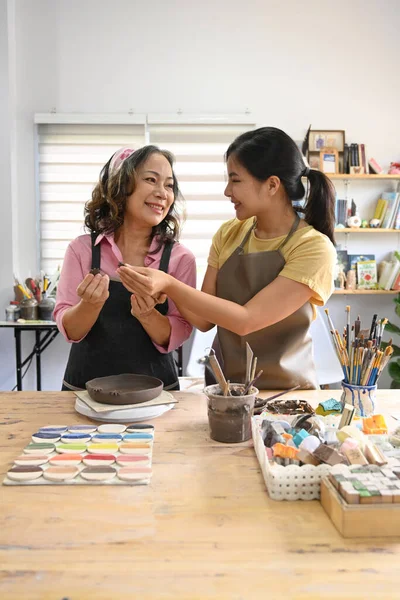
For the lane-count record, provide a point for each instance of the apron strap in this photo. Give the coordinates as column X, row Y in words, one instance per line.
column 166, row 255
column 95, row 252
column 246, row 237
column 291, row 232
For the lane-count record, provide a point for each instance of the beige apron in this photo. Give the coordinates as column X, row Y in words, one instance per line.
column 284, row 350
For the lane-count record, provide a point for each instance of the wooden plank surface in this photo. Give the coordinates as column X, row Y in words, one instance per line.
column 203, row 529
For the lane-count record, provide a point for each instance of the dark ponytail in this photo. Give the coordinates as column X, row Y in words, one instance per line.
column 270, row 151
column 319, row 210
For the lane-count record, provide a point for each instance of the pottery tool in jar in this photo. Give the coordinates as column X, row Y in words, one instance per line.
column 218, row 374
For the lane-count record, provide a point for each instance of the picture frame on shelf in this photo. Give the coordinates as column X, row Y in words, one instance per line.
column 329, row 161
column 330, row 138
column 319, row 139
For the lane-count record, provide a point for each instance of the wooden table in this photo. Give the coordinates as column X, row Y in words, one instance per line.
column 204, row 529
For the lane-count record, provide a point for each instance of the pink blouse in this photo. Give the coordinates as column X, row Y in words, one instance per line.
column 77, row 264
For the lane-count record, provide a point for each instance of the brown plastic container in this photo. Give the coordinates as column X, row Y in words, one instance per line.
column 229, row 417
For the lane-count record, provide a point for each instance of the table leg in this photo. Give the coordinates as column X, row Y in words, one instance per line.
column 17, row 333
column 38, row 362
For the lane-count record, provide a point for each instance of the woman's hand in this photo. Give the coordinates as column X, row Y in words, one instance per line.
column 143, row 306
column 94, row 289
column 144, row 281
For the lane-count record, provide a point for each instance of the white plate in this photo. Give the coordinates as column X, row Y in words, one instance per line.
column 132, row 415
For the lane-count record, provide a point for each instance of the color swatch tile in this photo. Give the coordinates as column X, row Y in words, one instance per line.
column 110, row 454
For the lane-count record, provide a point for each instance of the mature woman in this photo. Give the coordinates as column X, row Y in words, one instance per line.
column 132, row 218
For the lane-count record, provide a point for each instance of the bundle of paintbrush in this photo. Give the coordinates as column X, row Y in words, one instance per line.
column 35, row 288
column 359, row 351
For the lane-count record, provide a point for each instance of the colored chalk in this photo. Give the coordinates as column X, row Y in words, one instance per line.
column 135, row 448
column 103, row 473
column 130, row 459
column 27, row 473
column 70, row 438
column 42, row 448
column 129, row 437
column 31, row 459
column 99, row 438
column 45, row 436
column 111, row 428
column 71, row 448
column 62, row 473
column 105, row 448
column 134, row 473
column 70, row 460
column 82, row 429
column 98, row 459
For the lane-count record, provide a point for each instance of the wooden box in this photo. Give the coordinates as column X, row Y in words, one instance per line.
column 360, row 520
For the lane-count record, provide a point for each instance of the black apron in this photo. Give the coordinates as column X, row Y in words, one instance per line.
column 117, row 342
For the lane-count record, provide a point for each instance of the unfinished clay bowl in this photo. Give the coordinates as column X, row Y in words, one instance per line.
column 124, row 389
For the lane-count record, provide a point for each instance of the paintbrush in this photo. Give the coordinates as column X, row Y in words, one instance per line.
column 348, row 328
column 251, row 383
column 296, row 387
column 249, row 362
column 357, row 326
column 373, row 325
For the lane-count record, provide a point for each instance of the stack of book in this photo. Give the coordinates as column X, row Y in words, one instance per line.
column 388, row 210
column 354, row 156
column 341, row 212
column 389, row 273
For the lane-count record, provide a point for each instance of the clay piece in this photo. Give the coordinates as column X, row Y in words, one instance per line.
column 124, row 389
column 289, row 407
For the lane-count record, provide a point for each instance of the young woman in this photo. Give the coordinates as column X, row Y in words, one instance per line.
column 133, row 219
column 267, row 268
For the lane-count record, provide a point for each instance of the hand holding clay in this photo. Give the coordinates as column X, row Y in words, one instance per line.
column 143, row 281
column 94, row 289
column 143, row 306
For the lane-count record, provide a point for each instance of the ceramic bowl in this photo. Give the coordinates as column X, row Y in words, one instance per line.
column 124, row 389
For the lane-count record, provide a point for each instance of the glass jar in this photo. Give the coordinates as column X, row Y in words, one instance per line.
column 29, row 309
column 13, row 311
column 46, row 307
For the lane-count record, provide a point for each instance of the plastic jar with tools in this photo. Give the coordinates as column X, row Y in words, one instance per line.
column 13, row 311
column 29, row 309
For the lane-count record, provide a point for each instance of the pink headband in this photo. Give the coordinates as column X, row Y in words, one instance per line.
column 118, row 158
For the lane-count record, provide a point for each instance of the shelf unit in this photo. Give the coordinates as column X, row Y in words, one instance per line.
column 365, row 177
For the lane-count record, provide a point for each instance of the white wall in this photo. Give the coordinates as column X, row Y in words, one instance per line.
column 289, row 63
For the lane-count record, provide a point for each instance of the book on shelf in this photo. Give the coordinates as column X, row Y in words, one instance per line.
column 355, row 258
column 342, row 266
column 341, row 212
column 366, row 275
column 387, row 210
column 389, row 272
column 374, row 167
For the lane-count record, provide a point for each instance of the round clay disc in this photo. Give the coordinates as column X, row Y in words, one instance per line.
column 140, row 428
column 31, row 459
column 100, row 438
column 111, row 428
column 62, row 473
column 95, row 460
column 130, row 460
column 71, row 438
column 42, row 436
column 66, row 460
column 99, row 473
column 130, row 437
column 134, row 473
column 53, row 428
column 82, row 429
column 135, row 448
column 103, row 448
column 42, row 448
column 27, row 473
column 71, row 448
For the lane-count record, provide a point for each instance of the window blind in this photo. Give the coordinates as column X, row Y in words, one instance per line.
column 70, row 157
column 199, row 149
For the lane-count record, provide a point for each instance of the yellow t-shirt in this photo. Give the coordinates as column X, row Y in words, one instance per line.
column 310, row 255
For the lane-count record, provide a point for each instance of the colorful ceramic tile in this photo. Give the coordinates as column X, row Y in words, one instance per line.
column 70, row 460
column 99, row 438
column 105, row 448
column 45, row 436
column 42, row 448
column 63, row 473
column 99, row 473
column 94, row 460
column 27, row 473
column 134, row 474
column 82, row 429
column 71, row 448
column 130, row 437
column 111, row 428
column 31, row 459
column 71, row 438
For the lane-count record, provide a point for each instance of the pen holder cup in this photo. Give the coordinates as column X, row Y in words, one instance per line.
column 229, row 417
column 362, row 397
column 29, row 309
